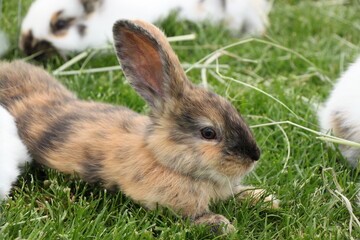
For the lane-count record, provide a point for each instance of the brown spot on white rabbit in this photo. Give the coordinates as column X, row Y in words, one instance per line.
column 343, row 128
column 91, row 5
column 224, row 4
column 122, row 148
column 339, row 126
column 59, row 25
column 42, row 49
column 81, row 29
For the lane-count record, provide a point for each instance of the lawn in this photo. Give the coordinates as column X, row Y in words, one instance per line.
column 282, row 76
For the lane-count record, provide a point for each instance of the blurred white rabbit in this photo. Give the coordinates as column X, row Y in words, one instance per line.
column 13, row 153
column 341, row 112
column 75, row 25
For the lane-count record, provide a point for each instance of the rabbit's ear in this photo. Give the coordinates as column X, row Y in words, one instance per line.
column 148, row 61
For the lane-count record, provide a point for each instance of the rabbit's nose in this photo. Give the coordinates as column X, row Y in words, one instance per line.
column 255, row 154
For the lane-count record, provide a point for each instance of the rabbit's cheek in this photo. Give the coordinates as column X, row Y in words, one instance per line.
column 211, row 152
column 229, row 166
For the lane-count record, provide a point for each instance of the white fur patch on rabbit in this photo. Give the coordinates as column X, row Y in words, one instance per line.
column 341, row 111
column 13, row 153
column 69, row 27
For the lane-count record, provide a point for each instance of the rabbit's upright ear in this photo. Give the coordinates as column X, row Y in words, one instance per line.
column 148, row 61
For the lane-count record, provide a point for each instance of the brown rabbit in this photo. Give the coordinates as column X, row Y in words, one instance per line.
column 194, row 147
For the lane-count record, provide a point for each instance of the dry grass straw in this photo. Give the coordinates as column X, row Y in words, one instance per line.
column 117, row 68
column 89, row 53
column 337, row 193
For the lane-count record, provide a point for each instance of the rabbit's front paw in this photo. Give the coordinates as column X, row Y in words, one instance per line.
column 217, row 223
column 256, row 195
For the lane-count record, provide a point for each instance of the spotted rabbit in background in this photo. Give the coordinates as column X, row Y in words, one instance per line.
column 75, row 25
column 194, row 146
column 341, row 113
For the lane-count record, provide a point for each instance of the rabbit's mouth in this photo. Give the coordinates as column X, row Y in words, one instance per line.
column 38, row 49
column 236, row 167
column 245, row 161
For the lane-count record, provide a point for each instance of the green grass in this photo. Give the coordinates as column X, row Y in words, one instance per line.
column 48, row 205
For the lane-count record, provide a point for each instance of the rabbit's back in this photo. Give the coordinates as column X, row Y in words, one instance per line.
column 60, row 130
column 19, row 81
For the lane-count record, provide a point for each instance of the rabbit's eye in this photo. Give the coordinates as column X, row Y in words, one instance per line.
column 208, row 133
column 60, row 24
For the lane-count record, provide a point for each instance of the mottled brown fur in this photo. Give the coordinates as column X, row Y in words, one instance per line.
column 161, row 159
